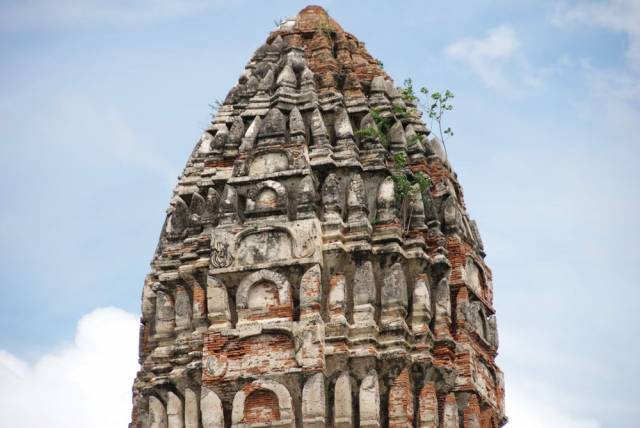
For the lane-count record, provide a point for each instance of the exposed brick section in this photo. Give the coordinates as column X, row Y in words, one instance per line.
column 401, row 402
column 471, row 413
column 261, row 406
column 428, row 412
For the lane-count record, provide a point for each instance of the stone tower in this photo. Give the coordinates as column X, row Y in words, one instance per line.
column 294, row 284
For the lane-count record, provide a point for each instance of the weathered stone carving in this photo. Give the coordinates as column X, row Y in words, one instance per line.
column 421, row 308
column 292, row 284
column 343, row 408
column 394, row 297
column 313, row 402
column 370, row 401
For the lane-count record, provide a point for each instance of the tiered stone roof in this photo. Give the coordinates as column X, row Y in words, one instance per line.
column 292, row 284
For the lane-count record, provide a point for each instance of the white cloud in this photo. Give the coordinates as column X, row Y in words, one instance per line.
column 486, row 56
column 615, row 15
column 85, row 384
column 496, row 59
column 531, row 406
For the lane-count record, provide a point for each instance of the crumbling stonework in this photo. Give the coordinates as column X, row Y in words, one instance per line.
column 286, row 290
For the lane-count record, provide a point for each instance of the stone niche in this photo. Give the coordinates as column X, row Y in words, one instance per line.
column 266, row 198
column 473, row 277
column 262, row 403
column 268, row 162
column 263, row 295
column 266, row 244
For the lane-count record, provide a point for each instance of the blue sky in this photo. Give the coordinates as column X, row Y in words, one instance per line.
column 101, row 103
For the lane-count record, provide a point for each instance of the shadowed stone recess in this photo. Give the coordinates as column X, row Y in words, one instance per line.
column 289, row 287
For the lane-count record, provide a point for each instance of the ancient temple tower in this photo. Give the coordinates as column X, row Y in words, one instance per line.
column 295, row 284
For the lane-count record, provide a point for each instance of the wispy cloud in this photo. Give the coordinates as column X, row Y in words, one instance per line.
column 615, row 15
column 493, row 58
column 85, row 384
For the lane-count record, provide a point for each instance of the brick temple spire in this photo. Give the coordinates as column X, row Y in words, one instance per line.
column 295, row 284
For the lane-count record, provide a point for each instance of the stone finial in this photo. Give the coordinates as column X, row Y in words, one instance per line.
column 278, row 42
column 356, row 199
column 364, row 294
column 287, row 77
column 307, row 198
column 421, row 306
column 220, row 140
column 206, row 140
column 369, row 401
column 235, row 137
column 397, row 137
column 266, row 83
column 430, row 212
column 416, row 206
column 337, row 299
column 296, row 59
column 165, row 313
column 318, row 129
column 179, row 217
column 248, row 141
column 251, row 87
column 378, row 84
column 343, row 407
column 228, row 206
column 358, row 228
column 342, row 125
column 274, row 124
column 211, row 206
column 219, row 314
column 196, row 209
column 368, row 122
column 386, row 203
column 183, row 309
column 297, row 130
column 364, row 288
column 311, row 292
column 442, row 298
column 331, row 200
column 307, row 80
column 394, row 297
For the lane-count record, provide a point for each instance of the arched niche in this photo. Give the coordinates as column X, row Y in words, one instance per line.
column 262, row 403
column 267, row 197
column 263, row 294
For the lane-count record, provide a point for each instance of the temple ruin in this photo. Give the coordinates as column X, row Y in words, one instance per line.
column 293, row 285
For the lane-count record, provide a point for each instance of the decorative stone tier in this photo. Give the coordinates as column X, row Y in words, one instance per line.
column 289, row 289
